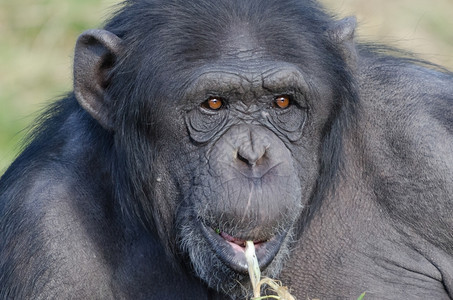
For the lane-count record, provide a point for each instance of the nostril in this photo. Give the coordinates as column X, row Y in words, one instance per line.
column 245, row 160
column 250, row 158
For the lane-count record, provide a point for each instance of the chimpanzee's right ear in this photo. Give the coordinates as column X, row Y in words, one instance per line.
column 96, row 52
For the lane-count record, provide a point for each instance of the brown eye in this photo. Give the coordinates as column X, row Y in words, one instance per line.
column 213, row 103
column 282, row 102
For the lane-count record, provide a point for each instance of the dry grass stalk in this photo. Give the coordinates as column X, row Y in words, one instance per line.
column 257, row 282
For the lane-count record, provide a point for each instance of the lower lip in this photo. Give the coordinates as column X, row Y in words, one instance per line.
column 233, row 254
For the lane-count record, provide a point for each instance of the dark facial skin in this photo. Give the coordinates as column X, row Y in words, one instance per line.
column 246, row 169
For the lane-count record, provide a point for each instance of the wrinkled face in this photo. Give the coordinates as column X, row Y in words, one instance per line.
column 240, row 158
column 255, row 164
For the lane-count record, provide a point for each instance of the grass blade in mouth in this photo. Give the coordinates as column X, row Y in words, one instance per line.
column 254, row 268
column 256, row 281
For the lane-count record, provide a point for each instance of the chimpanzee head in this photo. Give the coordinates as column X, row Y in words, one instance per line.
column 221, row 113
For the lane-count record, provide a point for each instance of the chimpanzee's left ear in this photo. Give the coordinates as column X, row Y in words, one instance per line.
column 96, row 52
column 342, row 33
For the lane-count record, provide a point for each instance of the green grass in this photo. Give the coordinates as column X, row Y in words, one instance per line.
column 37, row 39
column 36, row 44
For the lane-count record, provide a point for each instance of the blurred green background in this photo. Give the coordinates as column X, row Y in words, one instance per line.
column 37, row 39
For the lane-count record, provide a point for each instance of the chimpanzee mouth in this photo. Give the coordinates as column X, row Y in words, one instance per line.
column 231, row 250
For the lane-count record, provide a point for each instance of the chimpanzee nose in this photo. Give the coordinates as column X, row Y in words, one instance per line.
column 252, row 147
column 249, row 154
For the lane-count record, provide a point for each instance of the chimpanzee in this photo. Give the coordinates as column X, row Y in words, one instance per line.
column 196, row 125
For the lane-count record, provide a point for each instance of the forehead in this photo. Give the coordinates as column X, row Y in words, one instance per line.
column 240, row 39
column 267, row 75
column 244, row 63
